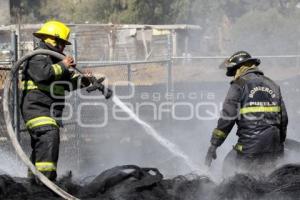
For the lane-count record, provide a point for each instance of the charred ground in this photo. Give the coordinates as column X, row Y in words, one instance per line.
column 130, row 182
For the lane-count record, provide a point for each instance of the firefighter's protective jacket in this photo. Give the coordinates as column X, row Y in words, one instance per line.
column 44, row 82
column 255, row 104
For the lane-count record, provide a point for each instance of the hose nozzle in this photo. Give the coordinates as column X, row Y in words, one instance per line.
column 97, row 85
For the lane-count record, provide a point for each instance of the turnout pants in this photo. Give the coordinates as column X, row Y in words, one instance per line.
column 40, row 118
column 45, row 149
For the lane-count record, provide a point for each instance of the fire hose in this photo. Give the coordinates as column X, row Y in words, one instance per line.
column 96, row 84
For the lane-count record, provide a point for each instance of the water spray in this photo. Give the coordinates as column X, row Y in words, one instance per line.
column 152, row 132
column 175, row 150
column 96, row 85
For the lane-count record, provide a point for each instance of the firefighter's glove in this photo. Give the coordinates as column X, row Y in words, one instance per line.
column 87, row 78
column 68, row 61
column 211, row 155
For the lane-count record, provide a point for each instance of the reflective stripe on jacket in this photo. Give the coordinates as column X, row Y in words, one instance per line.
column 58, row 90
column 42, row 86
column 44, row 81
column 255, row 104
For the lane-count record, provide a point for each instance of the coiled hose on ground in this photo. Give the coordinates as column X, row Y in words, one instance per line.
column 8, row 121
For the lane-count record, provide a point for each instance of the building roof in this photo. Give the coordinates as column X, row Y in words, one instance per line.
column 117, row 26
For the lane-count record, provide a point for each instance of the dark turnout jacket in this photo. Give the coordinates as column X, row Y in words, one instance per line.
column 255, row 104
column 44, row 82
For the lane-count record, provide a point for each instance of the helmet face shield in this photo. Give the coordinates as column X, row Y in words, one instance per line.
column 226, row 64
column 231, row 72
column 229, row 67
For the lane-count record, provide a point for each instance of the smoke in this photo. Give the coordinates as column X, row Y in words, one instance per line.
column 11, row 164
column 269, row 32
column 89, row 150
column 199, row 89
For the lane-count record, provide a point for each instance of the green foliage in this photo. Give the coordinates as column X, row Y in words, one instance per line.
column 226, row 24
column 148, row 11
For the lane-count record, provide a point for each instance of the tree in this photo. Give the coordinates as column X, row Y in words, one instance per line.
column 266, row 31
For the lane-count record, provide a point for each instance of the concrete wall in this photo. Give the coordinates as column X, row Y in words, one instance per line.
column 5, row 12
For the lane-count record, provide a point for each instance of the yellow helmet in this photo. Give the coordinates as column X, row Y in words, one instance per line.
column 56, row 29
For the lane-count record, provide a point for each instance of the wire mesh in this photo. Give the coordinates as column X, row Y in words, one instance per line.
column 95, row 136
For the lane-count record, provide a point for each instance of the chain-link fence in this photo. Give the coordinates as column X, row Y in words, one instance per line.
column 179, row 96
column 128, row 64
column 8, row 55
column 131, row 68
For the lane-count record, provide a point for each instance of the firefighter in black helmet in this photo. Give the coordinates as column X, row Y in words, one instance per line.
column 42, row 106
column 255, row 104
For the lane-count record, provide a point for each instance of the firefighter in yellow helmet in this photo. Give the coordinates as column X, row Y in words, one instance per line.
column 42, row 106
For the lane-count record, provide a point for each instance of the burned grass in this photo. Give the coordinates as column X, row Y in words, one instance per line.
column 130, row 182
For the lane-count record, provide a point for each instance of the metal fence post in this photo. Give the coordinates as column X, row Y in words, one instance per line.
column 35, row 42
column 74, row 46
column 75, row 56
column 170, row 80
column 169, row 65
column 15, row 89
column 128, row 73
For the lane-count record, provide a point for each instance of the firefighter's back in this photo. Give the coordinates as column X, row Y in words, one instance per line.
column 260, row 118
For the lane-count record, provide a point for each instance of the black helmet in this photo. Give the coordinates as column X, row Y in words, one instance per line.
column 237, row 60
